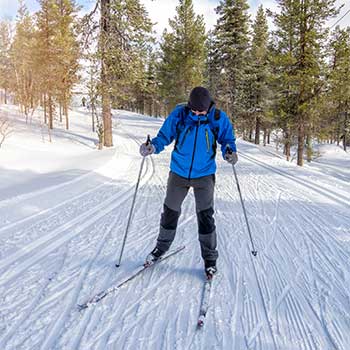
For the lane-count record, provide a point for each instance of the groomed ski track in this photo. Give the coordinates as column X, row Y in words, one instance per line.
column 293, row 295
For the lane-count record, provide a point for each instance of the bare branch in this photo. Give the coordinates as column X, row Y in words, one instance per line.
column 88, row 26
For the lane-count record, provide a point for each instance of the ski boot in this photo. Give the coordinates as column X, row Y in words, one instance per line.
column 210, row 268
column 153, row 256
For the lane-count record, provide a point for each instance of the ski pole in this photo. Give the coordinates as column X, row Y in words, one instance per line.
column 254, row 252
column 132, row 205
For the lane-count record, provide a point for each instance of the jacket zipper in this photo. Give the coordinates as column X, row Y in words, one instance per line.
column 184, row 138
column 194, row 147
column 207, row 139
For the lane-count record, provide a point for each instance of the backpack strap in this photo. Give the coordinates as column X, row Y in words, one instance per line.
column 213, row 125
column 217, row 114
column 181, row 123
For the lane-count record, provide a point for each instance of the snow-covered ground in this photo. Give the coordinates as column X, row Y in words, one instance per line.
column 63, row 212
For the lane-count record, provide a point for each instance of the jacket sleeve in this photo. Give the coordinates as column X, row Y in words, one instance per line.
column 167, row 132
column 226, row 134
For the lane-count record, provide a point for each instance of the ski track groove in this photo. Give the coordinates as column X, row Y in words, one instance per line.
column 107, row 334
column 65, row 290
column 58, row 206
column 66, row 310
column 83, row 275
column 11, row 332
column 135, row 305
column 56, row 328
column 279, row 200
column 104, row 335
column 181, row 223
column 261, row 296
column 35, row 251
column 33, row 194
column 290, row 287
column 324, row 191
column 232, row 282
column 88, row 315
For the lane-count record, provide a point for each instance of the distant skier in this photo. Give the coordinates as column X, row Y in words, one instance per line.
column 196, row 129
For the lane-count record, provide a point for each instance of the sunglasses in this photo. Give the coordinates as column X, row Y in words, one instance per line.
column 199, row 112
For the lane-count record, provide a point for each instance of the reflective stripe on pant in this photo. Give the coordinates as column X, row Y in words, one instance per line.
column 177, row 190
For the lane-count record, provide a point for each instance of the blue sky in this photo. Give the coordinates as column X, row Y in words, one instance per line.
column 161, row 10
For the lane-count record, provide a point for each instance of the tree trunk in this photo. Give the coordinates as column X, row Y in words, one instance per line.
column 45, row 110
column 301, row 139
column 286, row 150
column 107, row 120
column 50, row 112
column 338, row 134
column 345, row 139
column 309, row 147
column 65, row 111
column 264, row 137
column 60, row 111
column 257, row 130
column 92, row 120
column 106, row 98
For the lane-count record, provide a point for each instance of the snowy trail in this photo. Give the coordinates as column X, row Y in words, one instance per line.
column 293, row 295
column 337, row 196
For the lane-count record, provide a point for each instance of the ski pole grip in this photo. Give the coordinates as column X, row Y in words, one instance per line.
column 148, row 141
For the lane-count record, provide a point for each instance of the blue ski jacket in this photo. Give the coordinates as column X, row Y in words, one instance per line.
column 196, row 140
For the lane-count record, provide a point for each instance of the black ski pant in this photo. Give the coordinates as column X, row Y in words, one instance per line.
column 177, row 190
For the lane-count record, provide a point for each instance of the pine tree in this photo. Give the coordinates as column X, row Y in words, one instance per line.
column 69, row 54
column 232, row 40
column 124, row 32
column 213, row 64
column 339, row 87
column 105, row 72
column 47, row 53
column 56, row 55
column 301, row 35
column 22, row 55
column 151, row 87
column 259, row 72
column 283, row 62
column 5, row 59
column 183, row 54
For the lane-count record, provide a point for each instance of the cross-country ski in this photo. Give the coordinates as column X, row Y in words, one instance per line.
column 98, row 297
column 205, row 302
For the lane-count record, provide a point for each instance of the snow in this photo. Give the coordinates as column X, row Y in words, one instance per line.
column 64, row 207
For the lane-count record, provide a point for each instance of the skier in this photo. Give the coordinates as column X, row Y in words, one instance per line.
column 196, row 128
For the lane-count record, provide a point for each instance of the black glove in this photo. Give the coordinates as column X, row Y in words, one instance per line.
column 231, row 157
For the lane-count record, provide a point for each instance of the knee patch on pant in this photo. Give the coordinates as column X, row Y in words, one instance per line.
column 206, row 222
column 169, row 218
